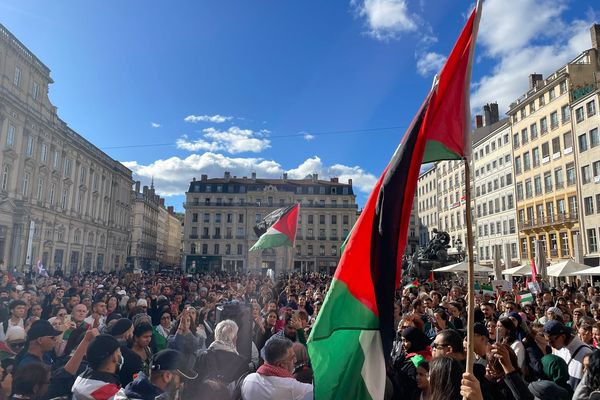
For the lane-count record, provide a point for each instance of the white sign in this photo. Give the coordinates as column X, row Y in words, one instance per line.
column 502, row 285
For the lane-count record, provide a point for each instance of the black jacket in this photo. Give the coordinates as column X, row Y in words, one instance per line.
column 223, row 365
column 139, row 388
column 132, row 364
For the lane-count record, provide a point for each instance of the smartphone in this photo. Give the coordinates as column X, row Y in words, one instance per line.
column 498, row 335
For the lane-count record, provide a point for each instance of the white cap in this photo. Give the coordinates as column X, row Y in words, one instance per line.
column 122, row 292
column 19, row 288
column 142, row 303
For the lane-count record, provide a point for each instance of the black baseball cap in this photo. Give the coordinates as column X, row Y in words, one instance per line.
column 40, row 329
column 172, row 360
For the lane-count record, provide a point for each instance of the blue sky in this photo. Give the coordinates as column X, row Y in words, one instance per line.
column 275, row 86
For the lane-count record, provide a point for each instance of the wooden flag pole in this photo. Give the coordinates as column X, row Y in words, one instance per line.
column 470, row 273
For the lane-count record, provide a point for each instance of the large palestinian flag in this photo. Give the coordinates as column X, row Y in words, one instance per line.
column 353, row 334
column 277, row 229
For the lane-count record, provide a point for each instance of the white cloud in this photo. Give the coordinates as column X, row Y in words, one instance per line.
column 216, row 119
column 430, row 63
column 386, row 19
column 155, row 124
column 172, row 176
column 524, row 37
column 233, row 140
column 308, row 137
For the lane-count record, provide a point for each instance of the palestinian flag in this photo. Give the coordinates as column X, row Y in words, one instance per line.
column 413, row 284
column 525, row 297
column 353, row 334
column 431, row 278
column 277, row 229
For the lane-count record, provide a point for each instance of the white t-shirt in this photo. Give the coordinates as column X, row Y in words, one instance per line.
column 575, row 364
column 519, row 350
column 2, row 334
column 261, row 387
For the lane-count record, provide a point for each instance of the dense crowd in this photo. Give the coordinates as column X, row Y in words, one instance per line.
column 174, row 336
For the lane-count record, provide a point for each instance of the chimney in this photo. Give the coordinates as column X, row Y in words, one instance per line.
column 487, row 115
column 315, row 177
column 162, row 201
column 171, row 210
column 145, row 190
column 494, row 113
column 227, row 176
column 254, row 176
column 478, row 121
column 595, row 33
column 137, row 186
column 334, row 180
column 204, row 177
column 194, row 179
column 285, row 176
column 350, row 181
column 534, row 79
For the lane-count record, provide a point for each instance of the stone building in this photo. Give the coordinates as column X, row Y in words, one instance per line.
column 427, row 204
column 586, row 124
column 168, row 247
column 221, row 212
column 146, row 204
column 494, row 192
column 544, row 157
column 62, row 200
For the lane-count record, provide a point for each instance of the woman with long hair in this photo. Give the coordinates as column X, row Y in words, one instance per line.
column 591, row 379
column 508, row 335
column 269, row 323
column 142, row 335
column 445, row 375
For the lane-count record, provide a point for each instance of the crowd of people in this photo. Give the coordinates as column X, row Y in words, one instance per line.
column 169, row 335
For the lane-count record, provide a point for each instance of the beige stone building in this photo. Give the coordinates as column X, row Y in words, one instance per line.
column 452, row 213
column 427, row 204
column 169, row 237
column 62, row 200
column 494, row 192
column 220, row 214
column 586, row 124
column 544, row 158
column 145, row 206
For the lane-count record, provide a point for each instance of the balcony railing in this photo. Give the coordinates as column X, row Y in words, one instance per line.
column 205, row 237
column 548, row 220
column 255, row 205
column 193, row 236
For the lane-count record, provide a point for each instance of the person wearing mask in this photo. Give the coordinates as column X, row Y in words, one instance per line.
column 222, row 360
column 568, row 347
column 122, row 331
column 100, row 380
column 274, row 379
column 41, row 339
column 31, row 383
column 167, row 373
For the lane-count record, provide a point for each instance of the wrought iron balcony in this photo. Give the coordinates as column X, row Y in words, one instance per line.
column 558, row 219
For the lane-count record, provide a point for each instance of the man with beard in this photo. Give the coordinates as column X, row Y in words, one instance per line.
column 166, row 376
column 100, row 380
column 122, row 330
column 293, row 330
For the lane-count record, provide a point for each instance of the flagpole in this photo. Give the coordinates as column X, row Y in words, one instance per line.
column 470, row 242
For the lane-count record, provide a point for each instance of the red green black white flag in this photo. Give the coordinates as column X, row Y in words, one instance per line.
column 352, row 337
column 277, row 229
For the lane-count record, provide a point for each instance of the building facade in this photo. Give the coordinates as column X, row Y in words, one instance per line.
column 586, row 124
column 452, row 214
column 169, row 247
column 220, row 214
column 62, row 200
column 544, row 160
column 427, row 204
column 143, row 252
column 494, row 191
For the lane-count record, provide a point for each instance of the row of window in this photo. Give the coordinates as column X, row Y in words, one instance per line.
column 541, row 101
column 553, row 250
column 586, row 173
column 588, row 205
column 491, row 167
column 239, row 188
column 219, row 201
column 485, row 252
column 531, row 133
column 35, row 86
column 428, row 187
column 548, row 211
column 498, row 228
column 537, row 157
column 333, row 250
column 593, row 141
column 496, row 205
column 590, row 107
column 217, row 249
column 534, row 187
column 592, row 240
column 491, row 147
column 230, row 217
column 496, row 184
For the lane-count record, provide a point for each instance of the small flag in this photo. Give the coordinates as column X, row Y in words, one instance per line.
column 430, row 279
column 525, row 297
column 277, row 229
column 413, row 284
column 41, row 270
